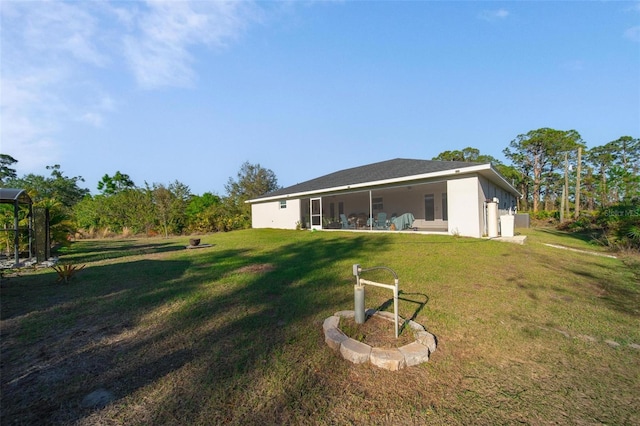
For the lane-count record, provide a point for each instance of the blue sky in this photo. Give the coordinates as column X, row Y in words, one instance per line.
column 189, row 91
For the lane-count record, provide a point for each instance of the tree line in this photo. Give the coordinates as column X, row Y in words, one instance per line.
column 544, row 161
column 552, row 169
column 123, row 208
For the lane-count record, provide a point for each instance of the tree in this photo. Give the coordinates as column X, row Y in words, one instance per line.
column 110, row 185
column 627, row 159
column 6, row 172
column 252, row 181
column 58, row 187
column 201, row 211
column 181, row 195
column 171, row 203
column 601, row 158
column 617, row 165
column 468, row 155
column 86, row 213
column 162, row 202
column 538, row 154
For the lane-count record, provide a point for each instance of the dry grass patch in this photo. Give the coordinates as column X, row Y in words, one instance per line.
column 376, row 332
column 256, row 268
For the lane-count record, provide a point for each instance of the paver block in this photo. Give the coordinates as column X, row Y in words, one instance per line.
column 334, row 338
column 345, row 314
column 427, row 339
column 414, row 353
column 415, row 326
column 354, row 351
column 331, row 322
column 389, row 359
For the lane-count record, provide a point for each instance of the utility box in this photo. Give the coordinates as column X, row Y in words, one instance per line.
column 507, row 222
column 522, row 220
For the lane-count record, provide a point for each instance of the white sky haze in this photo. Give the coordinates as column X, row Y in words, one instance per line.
column 189, row 90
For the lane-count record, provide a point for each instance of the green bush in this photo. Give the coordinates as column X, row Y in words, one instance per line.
column 545, row 215
column 621, row 224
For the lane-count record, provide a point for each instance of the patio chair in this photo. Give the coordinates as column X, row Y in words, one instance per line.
column 381, row 221
column 345, row 223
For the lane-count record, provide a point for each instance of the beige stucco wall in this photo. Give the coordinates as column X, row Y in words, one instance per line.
column 465, row 199
column 270, row 215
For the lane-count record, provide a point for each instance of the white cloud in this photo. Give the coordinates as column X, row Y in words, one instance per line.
column 52, row 29
column 42, row 46
column 93, row 118
column 493, row 15
column 633, row 34
column 28, row 116
column 159, row 54
column 55, row 54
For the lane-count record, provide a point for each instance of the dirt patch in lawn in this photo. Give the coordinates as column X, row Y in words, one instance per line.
column 256, row 268
column 377, row 332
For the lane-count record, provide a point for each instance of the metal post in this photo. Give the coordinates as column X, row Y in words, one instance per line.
column 358, row 293
column 395, row 305
column 358, row 296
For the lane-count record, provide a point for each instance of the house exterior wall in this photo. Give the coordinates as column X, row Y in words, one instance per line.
column 465, row 199
column 466, row 196
column 490, row 191
column 271, row 215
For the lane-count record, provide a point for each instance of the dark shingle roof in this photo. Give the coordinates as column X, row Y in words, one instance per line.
column 384, row 170
column 11, row 195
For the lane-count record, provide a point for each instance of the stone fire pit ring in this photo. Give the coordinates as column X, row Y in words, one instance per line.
column 388, row 358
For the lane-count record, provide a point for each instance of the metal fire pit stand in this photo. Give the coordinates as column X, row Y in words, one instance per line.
column 358, row 293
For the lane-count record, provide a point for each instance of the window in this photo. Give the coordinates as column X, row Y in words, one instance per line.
column 283, row 204
column 376, row 204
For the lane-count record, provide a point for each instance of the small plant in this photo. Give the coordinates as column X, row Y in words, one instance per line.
column 66, row 271
column 353, row 330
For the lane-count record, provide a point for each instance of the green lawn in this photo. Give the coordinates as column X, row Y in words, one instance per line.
column 232, row 333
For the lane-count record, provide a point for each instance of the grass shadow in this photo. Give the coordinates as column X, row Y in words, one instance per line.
column 582, row 236
column 402, row 296
column 92, row 251
column 133, row 324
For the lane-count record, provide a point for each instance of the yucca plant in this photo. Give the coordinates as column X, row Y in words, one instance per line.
column 67, row 271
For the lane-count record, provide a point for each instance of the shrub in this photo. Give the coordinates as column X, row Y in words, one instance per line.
column 621, row 223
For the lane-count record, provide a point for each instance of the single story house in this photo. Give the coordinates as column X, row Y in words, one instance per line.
column 401, row 194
